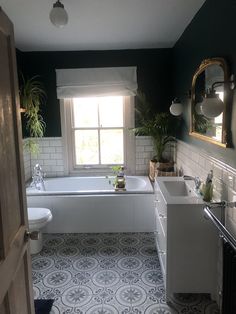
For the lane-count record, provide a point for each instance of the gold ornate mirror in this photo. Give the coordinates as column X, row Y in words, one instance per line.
column 209, row 79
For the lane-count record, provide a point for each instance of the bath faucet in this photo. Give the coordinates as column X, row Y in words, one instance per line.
column 196, row 180
column 37, row 178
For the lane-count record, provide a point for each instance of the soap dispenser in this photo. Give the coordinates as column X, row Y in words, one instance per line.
column 207, row 188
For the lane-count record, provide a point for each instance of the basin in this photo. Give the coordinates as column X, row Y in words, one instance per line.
column 176, row 190
column 179, row 188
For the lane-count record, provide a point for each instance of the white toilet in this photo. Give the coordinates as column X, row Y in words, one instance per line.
column 38, row 218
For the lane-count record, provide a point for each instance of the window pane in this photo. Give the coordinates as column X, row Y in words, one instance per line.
column 85, row 112
column 111, row 111
column 86, row 147
column 112, row 151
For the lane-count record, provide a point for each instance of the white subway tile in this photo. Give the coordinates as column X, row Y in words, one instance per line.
column 148, row 148
column 49, row 162
column 56, row 156
column 45, row 143
column 48, row 150
column 59, row 149
column 44, row 156
column 57, row 168
column 139, row 148
column 56, row 142
column 218, row 172
column 139, row 161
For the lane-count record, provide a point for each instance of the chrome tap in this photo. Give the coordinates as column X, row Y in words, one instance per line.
column 37, row 178
column 196, row 180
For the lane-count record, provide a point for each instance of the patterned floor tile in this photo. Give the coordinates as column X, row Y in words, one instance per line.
column 111, row 273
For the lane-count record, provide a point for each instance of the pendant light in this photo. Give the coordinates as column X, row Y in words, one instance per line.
column 58, row 15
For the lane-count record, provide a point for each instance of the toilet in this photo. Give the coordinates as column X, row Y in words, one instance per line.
column 38, row 218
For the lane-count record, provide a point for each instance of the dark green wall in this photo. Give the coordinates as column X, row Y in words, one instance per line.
column 153, row 70
column 210, row 34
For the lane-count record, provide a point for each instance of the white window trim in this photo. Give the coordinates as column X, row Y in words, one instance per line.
column 67, row 138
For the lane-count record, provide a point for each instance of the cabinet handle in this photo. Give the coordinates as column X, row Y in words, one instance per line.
column 162, row 216
column 162, row 252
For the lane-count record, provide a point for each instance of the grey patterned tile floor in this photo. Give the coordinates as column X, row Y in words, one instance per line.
column 108, row 273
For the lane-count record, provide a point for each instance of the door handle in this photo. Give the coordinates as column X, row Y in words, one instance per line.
column 31, row 235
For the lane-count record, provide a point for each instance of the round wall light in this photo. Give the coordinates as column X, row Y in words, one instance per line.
column 176, row 108
column 212, row 106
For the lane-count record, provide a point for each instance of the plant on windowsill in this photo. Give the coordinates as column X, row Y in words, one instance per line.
column 161, row 128
column 32, row 95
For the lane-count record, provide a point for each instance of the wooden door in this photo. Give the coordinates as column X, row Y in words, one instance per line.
column 15, row 268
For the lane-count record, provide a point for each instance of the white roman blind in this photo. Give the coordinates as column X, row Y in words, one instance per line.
column 96, row 82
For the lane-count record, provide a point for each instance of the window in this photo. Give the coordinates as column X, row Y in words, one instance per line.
column 97, row 132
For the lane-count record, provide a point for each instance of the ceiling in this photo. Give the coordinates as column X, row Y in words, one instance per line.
column 100, row 24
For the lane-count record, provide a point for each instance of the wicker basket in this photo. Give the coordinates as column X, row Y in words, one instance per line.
column 161, row 169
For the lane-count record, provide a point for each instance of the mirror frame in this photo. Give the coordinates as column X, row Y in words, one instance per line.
column 206, row 63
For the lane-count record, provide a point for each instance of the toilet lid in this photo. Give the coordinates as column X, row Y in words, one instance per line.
column 38, row 214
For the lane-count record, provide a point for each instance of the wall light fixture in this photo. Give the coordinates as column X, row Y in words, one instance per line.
column 176, row 108
column 212, row 106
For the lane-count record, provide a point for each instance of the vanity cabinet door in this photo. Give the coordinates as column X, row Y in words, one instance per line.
column 160, row 204
column 161, row 243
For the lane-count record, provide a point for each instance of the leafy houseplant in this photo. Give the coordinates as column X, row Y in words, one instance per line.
column 160, row 126
column 32, row 95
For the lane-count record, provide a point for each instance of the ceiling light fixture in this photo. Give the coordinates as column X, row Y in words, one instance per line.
column 58, row 15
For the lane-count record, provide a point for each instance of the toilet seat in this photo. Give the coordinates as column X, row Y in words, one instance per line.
column 38, row 217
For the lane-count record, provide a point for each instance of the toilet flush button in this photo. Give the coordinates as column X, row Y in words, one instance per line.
column 33, row 235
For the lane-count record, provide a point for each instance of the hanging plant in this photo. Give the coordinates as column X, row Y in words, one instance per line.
column 32, row 95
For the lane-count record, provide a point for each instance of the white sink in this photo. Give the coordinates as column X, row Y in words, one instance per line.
column 179, row 188
column 176, row 190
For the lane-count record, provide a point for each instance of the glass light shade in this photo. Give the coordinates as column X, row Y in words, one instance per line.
column 212, row 106
column 58, row 16
column 198, row 108
column 176, row 109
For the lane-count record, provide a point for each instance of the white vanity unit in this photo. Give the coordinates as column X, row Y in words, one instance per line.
column 187, row 243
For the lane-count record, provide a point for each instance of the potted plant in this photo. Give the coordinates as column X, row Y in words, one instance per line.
column 161, row 127
column 32, row 95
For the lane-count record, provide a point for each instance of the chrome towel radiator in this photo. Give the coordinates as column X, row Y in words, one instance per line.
column 229, row 259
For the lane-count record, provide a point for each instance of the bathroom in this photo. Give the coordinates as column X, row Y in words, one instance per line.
column 163, row 74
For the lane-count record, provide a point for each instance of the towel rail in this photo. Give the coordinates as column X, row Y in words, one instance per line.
column 226, row 235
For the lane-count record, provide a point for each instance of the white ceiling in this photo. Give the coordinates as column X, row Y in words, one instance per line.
column 100, row 24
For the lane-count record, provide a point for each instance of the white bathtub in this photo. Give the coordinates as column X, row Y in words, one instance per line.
column 90, row 204
column 91, row 185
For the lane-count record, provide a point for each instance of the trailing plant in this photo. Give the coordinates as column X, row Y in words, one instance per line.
column 160, row 126
column 32, row 95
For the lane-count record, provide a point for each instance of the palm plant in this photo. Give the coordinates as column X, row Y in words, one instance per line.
column 160, row 126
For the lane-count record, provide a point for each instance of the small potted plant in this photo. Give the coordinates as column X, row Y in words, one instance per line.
column 161, row 127
column 32, row 95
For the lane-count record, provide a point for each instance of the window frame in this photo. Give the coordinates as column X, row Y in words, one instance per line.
column 66, row 106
